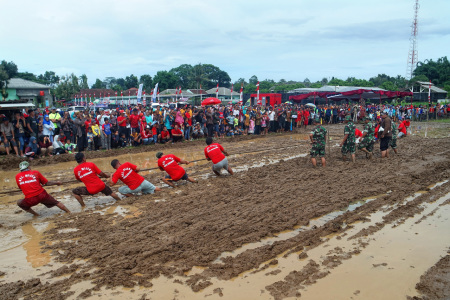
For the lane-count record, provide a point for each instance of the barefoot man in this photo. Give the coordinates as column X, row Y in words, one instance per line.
column 134, row 183
column 169, row 163
column 317, row 137
column 89, row 173
column 31, row 182
column 215, row 153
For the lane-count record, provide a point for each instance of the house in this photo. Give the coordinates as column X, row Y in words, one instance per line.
column 25, row 91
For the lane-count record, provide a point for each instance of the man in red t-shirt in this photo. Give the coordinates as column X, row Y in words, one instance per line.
column 89, row 173
column 177, row 135
column 31, row 182
column 215, row 153
column 128, row 174
column 134, row 121
column 169, row 163
column 122, row 122
column 164, row 136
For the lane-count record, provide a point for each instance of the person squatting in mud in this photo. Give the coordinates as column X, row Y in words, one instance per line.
column 214, row 152
column 134, row 183
column 169, row 163
column 31, row 182
column 317, row 137
column 89, row 173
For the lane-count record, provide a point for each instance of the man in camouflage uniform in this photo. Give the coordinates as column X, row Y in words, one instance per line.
column 393, row 142
column 348, row 144
column 368, row 138
column 317, row 137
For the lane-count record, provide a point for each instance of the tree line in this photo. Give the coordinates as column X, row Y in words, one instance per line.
column 207, row 76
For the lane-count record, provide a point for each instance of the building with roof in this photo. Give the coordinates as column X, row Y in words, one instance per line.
column 25, row 91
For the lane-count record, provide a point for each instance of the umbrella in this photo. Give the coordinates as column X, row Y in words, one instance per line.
column 310, row 104
column 211, row 101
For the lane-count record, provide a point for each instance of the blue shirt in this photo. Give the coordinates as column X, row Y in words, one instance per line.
column 107, row 128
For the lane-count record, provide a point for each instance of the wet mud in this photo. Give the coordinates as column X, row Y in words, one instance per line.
column 227, row 228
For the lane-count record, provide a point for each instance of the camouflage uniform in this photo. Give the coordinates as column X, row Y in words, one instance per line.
column 393, row 141
column 369, row 139
column 350, row 144
column 318, row 148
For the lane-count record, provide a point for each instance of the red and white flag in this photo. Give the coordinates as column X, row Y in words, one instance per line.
column 241, row 96
column 259, row 102
column 217, row 91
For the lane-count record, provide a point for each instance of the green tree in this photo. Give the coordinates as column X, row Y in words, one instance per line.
column 109, row 82
column 166, row 80
column 10, row 68
column 67, row 87
column 184, row 74
column 27, row 76
column 84, row 82
column 147, row 81
column 131, row 82
column 98, row 84
column 253, row 80
column 437, row 71
column 49, row 78
column 198, row 76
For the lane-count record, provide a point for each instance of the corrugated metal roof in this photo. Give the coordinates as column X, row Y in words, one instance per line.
column 19, row 83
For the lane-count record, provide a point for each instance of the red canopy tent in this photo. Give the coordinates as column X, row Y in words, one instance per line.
column 352, row 95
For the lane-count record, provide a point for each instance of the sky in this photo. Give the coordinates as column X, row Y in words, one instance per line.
column 283, row 39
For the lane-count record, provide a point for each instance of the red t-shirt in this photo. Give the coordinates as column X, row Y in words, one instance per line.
column 87, row 124
column 126, row 173
column 87, row 173
column 214, row 152
column 188, row 117
column 146, row 135
column 134, row 121
column 176, row 131
column 402, row 128
column 30, row 182
column 169, row 163
column 358, row 133
column 119, row 119
column 165, row 134
column 154, row 131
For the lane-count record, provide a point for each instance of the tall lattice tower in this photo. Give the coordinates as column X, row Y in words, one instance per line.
column 413, row 52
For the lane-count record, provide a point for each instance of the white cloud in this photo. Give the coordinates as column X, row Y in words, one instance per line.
column 283, row 39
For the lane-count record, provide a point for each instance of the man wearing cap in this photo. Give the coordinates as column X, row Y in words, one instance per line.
column 169, row 163
column 31, row 182
column 368, row 138
column 134, row 183
column 55, row 117
column 215, row 153
column 348, row 144
column 385, row 134
column 89, row 173
column 317, row 137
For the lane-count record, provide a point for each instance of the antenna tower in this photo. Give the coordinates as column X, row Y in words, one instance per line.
column 413, row 52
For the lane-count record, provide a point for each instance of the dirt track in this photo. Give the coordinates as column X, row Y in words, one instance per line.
column 170, row 234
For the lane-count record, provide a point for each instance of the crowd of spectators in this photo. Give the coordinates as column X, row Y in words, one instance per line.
column 55, row 132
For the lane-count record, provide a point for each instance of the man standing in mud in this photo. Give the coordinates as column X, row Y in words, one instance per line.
column 393, row 142
column 317, row 137
column 348, row 144
column 215, row 153
column 31, row 182
column 385, row 134
column 134, row 183
column 89, row 173
column 368, row 138
column 169, row 163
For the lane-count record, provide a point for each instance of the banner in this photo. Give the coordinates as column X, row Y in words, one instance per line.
column 155, row 91
column 139, row 93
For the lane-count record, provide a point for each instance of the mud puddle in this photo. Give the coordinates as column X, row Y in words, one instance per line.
column 282, row 236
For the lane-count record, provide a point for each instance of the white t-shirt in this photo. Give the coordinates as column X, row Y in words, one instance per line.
column 271, row 115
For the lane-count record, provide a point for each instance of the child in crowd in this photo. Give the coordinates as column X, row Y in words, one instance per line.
column 96, row 132
column 115, row 139
column 251, row 128
column 90, row 139
column 70, row 146
column 123, row 141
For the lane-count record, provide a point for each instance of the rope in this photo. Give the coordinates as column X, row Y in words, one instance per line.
column 157, row 168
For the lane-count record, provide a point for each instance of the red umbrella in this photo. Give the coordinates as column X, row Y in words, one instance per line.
column 211, row 101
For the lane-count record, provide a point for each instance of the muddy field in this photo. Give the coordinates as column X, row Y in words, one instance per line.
column 277, row 229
